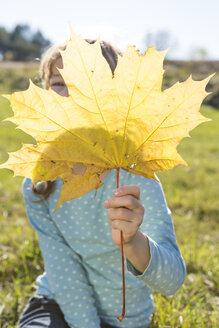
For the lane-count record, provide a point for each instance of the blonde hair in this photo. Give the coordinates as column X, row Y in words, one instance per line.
column 45, row 188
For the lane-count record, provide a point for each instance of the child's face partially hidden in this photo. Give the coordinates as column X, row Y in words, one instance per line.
column 57, row 83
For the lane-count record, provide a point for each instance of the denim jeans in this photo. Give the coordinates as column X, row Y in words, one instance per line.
column 41, row 312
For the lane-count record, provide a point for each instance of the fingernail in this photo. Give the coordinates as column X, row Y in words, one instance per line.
column 117, row 192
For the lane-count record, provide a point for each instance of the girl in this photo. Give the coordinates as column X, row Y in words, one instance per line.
column 81, row 286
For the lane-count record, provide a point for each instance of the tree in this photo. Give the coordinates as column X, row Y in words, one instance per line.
column 22, row 44
column 199, row 54
column 161, row 40
column 21, row 32
column 4, row 40
column 39, row 42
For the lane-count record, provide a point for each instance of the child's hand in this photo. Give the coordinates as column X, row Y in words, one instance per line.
column 125, row 213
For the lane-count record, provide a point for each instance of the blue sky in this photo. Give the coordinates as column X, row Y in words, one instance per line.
column 191, row 24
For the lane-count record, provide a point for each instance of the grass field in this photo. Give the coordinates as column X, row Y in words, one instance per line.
column 192, row 195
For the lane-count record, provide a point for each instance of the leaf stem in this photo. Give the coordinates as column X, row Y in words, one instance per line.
column 122, row 256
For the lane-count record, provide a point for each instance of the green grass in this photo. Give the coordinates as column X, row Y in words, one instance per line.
column 16, row 77
column 192, row 194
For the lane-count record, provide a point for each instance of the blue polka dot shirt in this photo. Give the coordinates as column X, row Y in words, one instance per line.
column 82, row 264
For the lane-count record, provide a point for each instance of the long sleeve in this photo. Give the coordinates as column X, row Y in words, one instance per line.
column 65, row 274
column 166, row 270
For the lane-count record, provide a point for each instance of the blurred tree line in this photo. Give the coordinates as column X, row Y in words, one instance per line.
column 21, row 43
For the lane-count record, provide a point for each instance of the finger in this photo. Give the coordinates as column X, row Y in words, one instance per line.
column 128, row 190
column 124, row 214
column 127, row 201
column 128, row 228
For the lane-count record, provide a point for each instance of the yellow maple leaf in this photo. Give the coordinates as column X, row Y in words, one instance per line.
column 107, row 122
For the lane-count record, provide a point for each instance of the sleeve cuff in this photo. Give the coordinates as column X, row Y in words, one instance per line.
column 151, row 266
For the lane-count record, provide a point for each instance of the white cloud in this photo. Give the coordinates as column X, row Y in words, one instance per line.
column 119, row 37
